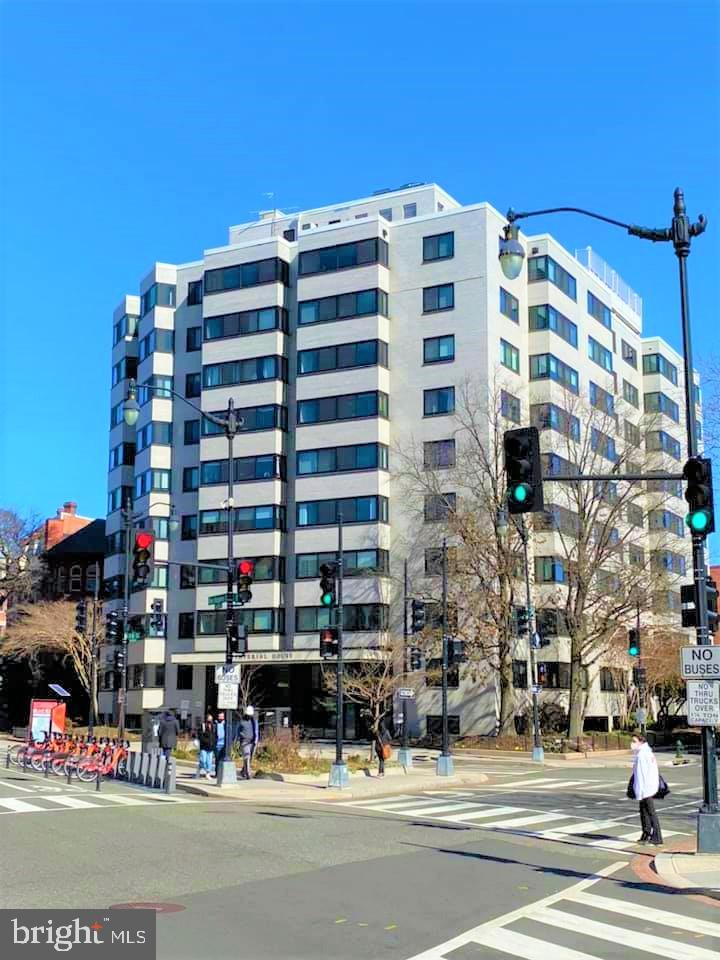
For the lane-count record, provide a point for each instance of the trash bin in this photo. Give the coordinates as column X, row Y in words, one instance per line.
column 150, row 727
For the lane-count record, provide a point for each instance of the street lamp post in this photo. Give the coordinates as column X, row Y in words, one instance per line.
column 679, row 233
column 404, row 753
column 231, row 424
column 339, row 776
column 444, row 766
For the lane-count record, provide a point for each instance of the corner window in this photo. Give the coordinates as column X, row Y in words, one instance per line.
column 510, row 406
column 194, row 294
column 193, row 339
column 509, row 356
column 192, row 385
column 409, row 210
column 509, row 306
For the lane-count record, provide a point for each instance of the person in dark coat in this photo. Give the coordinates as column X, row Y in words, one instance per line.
column 168, row 731
column 206, row 744
column 382, row 739
column 247, row 736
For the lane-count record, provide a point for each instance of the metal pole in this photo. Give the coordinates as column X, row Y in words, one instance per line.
column 93, row 652
column 642, row 691
column 227, row 774
column 122, row 695
column 538, row 753
column 404, row 754
column 444, row 761
column 339, row 770
column 708, row 831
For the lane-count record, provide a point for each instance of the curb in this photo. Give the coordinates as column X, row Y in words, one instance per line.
column 643, row 866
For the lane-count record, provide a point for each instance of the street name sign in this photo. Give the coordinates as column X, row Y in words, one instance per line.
column 406, row 693
column 227, row 698
column 703, row 703
column 220, row 598
column 227, row 673
column 700, row 663
column 641, row 715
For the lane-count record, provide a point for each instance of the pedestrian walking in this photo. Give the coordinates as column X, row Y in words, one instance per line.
column 206, row 743
column 248, row 738
column 645, row 784
column 168, row 730
column 382, row 746
column 219, row 741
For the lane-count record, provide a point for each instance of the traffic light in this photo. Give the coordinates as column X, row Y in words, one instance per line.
column 80, row 616
column 633, row 643
column 246, row 572
column 417, row 616
column 687, row 599
column 329, row 642
column 142, row 556
column 523, row 470
column 113, row 627
column 699, row 495
column 456, row 651
column 119, row 660
column 157, row 620
column 522, row 621
column 415, row 658
column 236, row 640
column 327, row 584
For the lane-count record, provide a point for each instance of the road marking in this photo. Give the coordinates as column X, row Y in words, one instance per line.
column 121, row 798
column 561, row 783
column 664, row 917
column 74, row 802
column 481, row 814
column 526, row 821
column 522, row 946
column 14, row 805
column 426, row 811
column 370, row 804
column 586, row 826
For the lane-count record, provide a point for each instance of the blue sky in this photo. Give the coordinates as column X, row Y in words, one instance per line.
column 139, row 132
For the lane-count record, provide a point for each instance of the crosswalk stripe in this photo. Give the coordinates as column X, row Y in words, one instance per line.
column 448, row 793
column 481, row 814
column 18, row 806
column 385, row 801
column 587, row 826
column 649, row 914
column 659, row 946
column 74, row 802
column 561, row 783
column 522, row 947
column 526, row 821
column 533, row 782
column 428, row 811
column 626, row 840
column 128, row 801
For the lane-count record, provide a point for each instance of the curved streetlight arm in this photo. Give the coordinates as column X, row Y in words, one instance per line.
column 134, row 387
column 512, row 216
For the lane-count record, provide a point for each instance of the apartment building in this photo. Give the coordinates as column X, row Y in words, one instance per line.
column 339, row 333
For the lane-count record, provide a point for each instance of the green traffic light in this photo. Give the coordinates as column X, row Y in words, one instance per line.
column 633, row 651
column 520, row 493
column 326, row 599
column 698, row 521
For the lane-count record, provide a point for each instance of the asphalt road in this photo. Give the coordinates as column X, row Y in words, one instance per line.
column 264, row 882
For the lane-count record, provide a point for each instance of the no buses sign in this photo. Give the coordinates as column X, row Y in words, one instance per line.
column 700, row 663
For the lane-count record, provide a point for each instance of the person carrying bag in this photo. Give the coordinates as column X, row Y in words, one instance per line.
column 645, row 785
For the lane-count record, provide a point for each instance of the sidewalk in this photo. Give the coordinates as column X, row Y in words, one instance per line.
column 688, row 870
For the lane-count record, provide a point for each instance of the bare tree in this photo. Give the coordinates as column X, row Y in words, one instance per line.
column 249, row 688
column 21, row 569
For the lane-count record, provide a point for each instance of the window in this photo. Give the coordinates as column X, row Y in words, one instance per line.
column 439, row 349
column 123, row 455
column 439, row 454
column 600, row 354
column 510, row 406
column 189, row 527
column 611, row 679
column 157, row 431
column 266, row 569
column 433, row 674
column 509, row 356
column 657, row 363
column 545, row 317
column 545, row 366
column 194, row 294
column 115, row 543
column 117, row 414
column 159, row 295
column 363, row 456
column 631, row 394
column 184, row 677
column 657, row 441
column 602, row 444
column 439, row 298
column 558, row 518
column 636, row 556
column 124, row 369
column 509, row 306
column 520, row 674
column 441, row 246
column 596, row 308
column 357, row 617
column 126, row 327
column 191, row 479
column 193, row 339
column 317, row 513
column 666, row 520
column 554, row 675
column 186, row 626
column 267, row 467
column 673, row 487
column 664, row 560
column 152, row 480
column 549, row 570
column 356, row 563
column 439, row 401
column 268, row 620
column 157, row 387
column 439, row 506
column 119, row 497
column 249, row 321
column 192, row 385
column 328, row 259
column 270, row 517
column 352, row 406
column 602, row 400
column 551, row 622
column 361, row 304
column 254, row 370
column 192, row 431
column 661, row 403
column 386, row 212
column 157, row 341
column 632, row 433
column 75, row 578
column 545, row 268
column 270, row 416
column 364, row 353
column 548, row 416
column 243, row 275
column 629, row 354
column 409, row 210
column 554, row 465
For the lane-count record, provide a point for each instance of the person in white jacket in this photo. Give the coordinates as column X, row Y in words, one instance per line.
column 646, row 783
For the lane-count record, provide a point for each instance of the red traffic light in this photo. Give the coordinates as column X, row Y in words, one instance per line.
column 246, row 568
column 144, row 540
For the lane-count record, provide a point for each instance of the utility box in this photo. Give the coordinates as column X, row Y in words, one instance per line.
column 150, row 728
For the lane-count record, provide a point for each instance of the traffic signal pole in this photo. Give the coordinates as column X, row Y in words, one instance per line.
column 404, row 754
column 122, row 693
column 444, row 761
column 339, row 772
column 538, row 753
column 226, row 772
column 94, row 652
